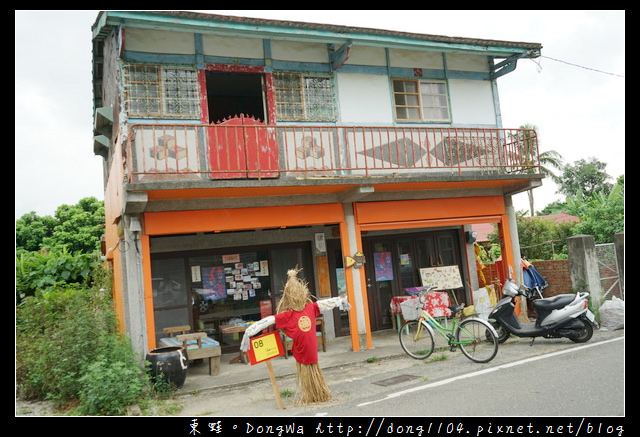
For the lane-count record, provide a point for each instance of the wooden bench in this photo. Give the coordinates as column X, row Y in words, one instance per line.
column 197, row 344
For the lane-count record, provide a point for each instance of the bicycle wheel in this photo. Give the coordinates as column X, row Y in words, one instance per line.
column 416, row 345
column 477, row 340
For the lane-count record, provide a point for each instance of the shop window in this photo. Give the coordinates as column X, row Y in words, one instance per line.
column 284, row 259
column 214, row 290
column 230, row 289
column 170, row 298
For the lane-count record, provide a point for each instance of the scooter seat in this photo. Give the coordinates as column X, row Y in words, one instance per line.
column 554, row 302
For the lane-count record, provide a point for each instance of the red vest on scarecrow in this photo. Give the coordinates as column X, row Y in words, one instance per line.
column 300, row 326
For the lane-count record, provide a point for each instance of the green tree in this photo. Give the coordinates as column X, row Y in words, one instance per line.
column 77, row 228
column 549, row 160
column 31, row 230
column 52, row 251
column 555, row 207
column 586, row 176
column 43, row 269
column 601, row 214
column 542, row 238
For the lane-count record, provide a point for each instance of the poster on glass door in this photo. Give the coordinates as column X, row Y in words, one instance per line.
column 383, row 266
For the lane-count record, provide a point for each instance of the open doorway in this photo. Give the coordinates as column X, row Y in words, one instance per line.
column 230, row 94
column 396, row 260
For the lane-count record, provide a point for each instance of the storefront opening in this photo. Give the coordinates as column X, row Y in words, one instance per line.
column 214, row 289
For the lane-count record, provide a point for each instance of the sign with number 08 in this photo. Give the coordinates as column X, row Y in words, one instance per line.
column 265, row 347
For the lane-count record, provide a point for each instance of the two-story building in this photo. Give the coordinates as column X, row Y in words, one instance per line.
column 237, row 148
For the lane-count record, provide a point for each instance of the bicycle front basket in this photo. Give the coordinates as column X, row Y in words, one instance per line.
column 411, row 308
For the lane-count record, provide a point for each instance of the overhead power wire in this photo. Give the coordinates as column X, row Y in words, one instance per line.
column 581, row 66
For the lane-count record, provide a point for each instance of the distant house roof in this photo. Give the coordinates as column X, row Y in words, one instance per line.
column 561, row 217
column 482, row 231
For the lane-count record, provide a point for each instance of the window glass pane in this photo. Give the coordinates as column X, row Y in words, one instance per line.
column 408, row 113
column 405, row 86
column 435, row 104
column 181, row 92
column 407, row 99
column 170, row 297
column 153, row 91
column 229, row 289
column 436, row 114
column 304, row 97
column 318, row 95
column 284, row 259
column 143, row 89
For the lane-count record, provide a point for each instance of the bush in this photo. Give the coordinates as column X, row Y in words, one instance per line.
column 42, row 270
column 109, row 386
column 68, row 349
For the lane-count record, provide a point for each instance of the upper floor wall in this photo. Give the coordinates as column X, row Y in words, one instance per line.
column 373, row 75
column 368, row 94
column 374, row 85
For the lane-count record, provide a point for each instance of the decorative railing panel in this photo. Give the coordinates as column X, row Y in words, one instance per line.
column 245, row 148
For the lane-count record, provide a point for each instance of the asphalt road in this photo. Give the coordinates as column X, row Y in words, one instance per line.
column 584, row 381
column 552, row 377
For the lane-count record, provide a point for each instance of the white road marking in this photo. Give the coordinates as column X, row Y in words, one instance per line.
column 485, row 371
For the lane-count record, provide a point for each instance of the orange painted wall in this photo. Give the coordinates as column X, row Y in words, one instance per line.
column 429, row 209
column 353, row 319
column 113, row 208
column 219, row 220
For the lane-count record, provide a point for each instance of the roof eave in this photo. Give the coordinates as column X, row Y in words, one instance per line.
column 311, row 32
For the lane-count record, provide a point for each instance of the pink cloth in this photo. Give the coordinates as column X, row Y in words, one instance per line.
column 437, row 304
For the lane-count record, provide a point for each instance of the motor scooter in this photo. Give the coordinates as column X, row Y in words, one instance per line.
column 564, row 315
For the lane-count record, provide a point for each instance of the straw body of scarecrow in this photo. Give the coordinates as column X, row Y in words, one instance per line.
column 296, row 314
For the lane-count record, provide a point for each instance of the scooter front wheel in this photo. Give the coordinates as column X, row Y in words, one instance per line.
column 503, row 334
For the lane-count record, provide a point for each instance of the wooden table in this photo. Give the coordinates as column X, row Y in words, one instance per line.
column 233, row 329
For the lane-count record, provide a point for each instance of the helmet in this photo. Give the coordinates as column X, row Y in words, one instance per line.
column 510, row 288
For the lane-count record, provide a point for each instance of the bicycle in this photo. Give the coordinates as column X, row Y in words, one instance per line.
column 475, row 337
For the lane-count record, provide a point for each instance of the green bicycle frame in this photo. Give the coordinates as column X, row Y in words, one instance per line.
column 433, row 323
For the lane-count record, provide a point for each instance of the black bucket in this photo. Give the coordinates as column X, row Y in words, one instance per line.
column 171, row 362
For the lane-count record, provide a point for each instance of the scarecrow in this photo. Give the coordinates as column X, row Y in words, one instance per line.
column 296, row 314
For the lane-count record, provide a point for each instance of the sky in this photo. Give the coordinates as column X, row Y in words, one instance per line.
column 574, row 93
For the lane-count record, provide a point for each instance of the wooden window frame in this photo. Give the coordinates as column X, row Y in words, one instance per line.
column 401, row 100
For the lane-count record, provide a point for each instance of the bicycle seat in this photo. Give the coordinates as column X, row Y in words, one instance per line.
column 455, row 309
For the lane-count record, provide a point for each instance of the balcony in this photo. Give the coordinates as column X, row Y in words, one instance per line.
column 243, row 148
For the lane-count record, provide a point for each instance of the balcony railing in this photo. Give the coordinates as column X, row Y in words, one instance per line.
column 243, row 148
